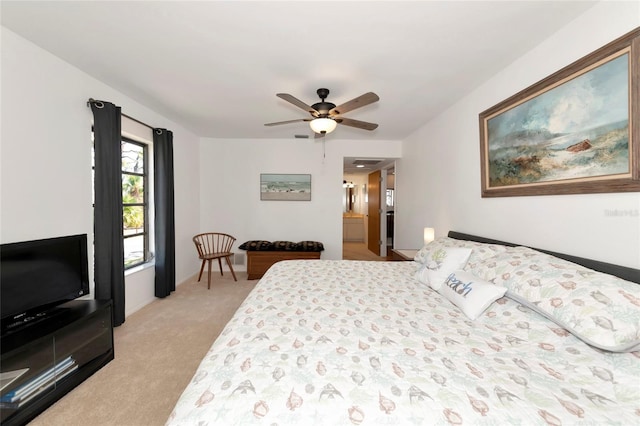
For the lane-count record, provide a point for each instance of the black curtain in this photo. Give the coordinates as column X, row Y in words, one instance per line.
column 108, row 243
column 164, row 213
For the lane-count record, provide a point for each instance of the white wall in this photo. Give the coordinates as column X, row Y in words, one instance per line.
column 230, row 188
column 439, row 175
column 46, row 157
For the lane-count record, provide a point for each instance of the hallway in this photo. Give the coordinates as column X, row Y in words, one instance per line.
column 359, row 251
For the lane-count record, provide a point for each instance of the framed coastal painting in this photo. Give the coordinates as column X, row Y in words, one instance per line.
column 285, row 187
column 575, row 132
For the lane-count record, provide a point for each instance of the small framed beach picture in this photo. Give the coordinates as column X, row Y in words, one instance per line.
column 285, row 187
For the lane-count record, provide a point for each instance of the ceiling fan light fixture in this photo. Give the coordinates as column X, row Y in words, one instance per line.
column 323, row 125
column 326, row 115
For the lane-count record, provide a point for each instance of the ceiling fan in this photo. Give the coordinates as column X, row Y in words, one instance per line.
column 325, row 116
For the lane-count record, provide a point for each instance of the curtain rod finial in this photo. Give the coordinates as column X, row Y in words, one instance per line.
column 99, row 104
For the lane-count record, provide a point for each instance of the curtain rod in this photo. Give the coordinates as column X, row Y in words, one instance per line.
column 138, row 121
column 124, row 115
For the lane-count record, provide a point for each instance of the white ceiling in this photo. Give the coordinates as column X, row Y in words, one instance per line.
column 216, row 66
column 366, row 165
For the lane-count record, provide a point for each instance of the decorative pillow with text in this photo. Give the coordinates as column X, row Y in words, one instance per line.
column 441, row 262
column 469, row 293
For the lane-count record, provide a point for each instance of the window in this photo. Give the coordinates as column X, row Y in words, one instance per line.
column 134, row 202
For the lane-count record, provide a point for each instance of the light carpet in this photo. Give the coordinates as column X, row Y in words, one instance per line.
column 157, row 351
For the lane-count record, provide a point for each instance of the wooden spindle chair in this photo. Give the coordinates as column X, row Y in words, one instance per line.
column 214, row 245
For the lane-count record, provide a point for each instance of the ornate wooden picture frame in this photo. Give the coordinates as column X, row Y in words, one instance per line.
column 575, row 132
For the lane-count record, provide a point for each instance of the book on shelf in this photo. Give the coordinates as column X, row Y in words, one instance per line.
column 8, row 377
column 38, row 384
column 26, row 398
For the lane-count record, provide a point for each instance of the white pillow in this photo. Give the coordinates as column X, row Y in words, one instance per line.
column 469, row 293
column 480, row 251
column 600, row 309
column 439, row 263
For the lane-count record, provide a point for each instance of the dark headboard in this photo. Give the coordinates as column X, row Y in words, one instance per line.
column 629, row 274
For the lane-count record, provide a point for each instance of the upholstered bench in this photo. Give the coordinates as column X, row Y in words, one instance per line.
column 261, row 255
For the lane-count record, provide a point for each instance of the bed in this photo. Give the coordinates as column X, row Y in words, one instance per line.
column 354, row 342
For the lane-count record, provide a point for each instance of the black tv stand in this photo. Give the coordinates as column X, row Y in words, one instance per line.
column 29, row 319
column 52, row 354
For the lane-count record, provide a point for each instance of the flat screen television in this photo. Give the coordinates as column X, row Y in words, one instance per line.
column 36, row 276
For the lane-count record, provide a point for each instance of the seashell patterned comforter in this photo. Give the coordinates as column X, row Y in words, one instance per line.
column 363, row 343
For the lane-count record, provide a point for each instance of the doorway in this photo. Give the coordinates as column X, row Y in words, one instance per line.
column 368, row 224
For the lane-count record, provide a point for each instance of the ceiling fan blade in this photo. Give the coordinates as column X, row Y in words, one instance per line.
column 297, row 102
column 356, row 123
column 360, row 101
column 287, row 122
